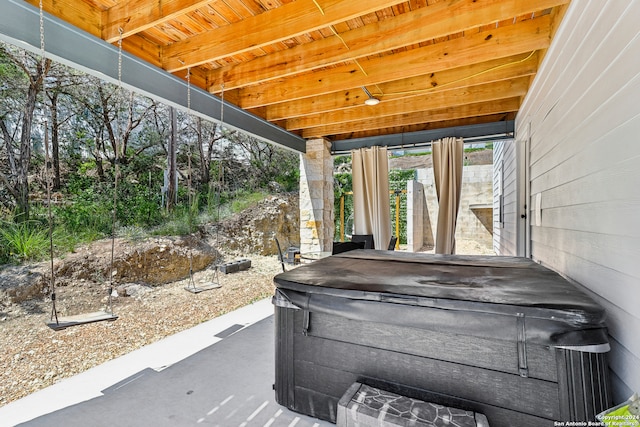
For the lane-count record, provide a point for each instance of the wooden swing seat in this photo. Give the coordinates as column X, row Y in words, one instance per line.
column 81, row 319
column 202, row 288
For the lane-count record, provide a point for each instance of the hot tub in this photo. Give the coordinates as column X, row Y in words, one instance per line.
column 502, row 336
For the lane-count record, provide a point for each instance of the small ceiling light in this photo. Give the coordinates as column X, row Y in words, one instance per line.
column 371, row 100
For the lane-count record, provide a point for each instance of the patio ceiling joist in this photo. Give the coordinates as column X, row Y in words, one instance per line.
column 524, row 37
column 489, row 93
column 294, row 19
column 69, row 45
column 301, row 65
column 500, row 70
column 394, row 33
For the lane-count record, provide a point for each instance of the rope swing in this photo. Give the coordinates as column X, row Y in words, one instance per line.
column 55, row 322
column 215, row 283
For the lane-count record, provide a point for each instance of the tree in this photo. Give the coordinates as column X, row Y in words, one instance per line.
column 207, row 137
column 62, row 82
column 24, row 73
column 269, row 164
column 172, row 191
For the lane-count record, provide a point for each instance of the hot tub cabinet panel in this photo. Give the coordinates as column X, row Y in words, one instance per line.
column 517, row 342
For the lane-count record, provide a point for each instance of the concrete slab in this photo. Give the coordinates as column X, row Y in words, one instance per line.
column 219, row 373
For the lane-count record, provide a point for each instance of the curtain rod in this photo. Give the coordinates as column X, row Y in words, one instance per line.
column 427, row 144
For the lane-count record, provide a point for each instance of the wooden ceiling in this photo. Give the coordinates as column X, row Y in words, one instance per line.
column 302, row 64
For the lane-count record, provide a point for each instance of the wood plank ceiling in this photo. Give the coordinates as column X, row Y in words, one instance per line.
column 303, row 64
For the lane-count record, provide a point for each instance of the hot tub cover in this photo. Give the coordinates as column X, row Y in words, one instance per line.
column 463, row 294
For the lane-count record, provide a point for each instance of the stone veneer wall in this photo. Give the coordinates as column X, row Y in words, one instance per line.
column 316, row 197
column 477, row 189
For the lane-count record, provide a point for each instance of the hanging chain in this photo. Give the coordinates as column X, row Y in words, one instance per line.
column 222, row 107
column 189, row 91
column 42, row 34
column 120, row 60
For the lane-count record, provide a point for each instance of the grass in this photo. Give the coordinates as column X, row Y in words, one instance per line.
column 23, row 241
column 246, row 200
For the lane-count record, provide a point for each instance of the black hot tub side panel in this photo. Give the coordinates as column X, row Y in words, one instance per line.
column 315, row 368
column 521, row 344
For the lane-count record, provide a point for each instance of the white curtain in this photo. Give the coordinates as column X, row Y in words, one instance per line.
column 371, row 206
column 447, row 156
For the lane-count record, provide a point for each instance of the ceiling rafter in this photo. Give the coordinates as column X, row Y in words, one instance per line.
column 294, row 19
column 85, row 16
column 479, row 47
column 484, row 72
column 135, row 16
column 437, row 21
column 461, row 96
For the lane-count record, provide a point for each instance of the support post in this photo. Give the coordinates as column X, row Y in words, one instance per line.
column 316, row 197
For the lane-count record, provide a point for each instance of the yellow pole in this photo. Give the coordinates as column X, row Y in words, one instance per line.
column 342, row 218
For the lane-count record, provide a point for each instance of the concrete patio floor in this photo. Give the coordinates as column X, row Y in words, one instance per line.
column 219, row 373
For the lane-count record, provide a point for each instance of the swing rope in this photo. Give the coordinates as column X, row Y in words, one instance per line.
column 52, row 283
column 220, row 170
column 220, row 179
column 54, row 312
column 191, row 287
column 116, row 161
column 192, row 283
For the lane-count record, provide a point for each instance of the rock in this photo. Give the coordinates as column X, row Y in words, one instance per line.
column 133, row 290
column 254, row 230
column 151, row 262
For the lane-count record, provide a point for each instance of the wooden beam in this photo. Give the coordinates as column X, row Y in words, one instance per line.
column 287, row 21
column 420, row 25
column 80, row 14
column 491, row 118
column 479, row 47
column 411, row 104
column 470, row 110
column 143, row 49
column 135, row 16
column 485, row 72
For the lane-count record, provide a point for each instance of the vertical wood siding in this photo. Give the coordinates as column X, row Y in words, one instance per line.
column 584, row 110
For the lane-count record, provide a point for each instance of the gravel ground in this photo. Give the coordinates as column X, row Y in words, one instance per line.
column 34, row 356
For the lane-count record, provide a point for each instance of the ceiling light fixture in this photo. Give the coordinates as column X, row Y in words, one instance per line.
column 371, row 100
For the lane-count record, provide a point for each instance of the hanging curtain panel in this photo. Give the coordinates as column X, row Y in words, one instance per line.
column 447, row 170
column 371, row 206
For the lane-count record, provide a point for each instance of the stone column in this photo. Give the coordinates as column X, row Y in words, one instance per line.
column 316, row 197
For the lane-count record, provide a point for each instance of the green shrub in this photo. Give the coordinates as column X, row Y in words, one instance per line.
column 24, row 241
column 86, row 216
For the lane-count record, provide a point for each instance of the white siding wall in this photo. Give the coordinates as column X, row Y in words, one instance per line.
column 584, row 112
